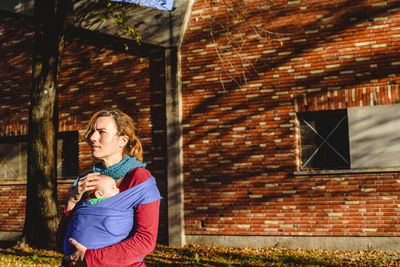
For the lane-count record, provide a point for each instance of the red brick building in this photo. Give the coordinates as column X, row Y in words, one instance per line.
column 265, row 123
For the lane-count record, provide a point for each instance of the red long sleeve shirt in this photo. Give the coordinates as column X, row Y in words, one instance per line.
column 129, row 251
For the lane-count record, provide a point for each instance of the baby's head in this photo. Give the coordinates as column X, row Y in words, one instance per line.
column 105, row 188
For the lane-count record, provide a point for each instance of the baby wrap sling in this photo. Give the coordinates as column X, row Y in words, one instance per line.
column 109, row 221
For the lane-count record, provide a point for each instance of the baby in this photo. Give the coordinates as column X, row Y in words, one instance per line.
column 86, row 213
column 105, row 188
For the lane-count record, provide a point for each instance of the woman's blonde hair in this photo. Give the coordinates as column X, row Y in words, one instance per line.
column 125, row 126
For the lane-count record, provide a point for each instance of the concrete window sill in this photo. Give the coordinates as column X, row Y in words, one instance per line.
column 348, row 171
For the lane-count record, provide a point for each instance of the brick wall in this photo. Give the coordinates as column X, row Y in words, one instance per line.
column 97, row 73
column 12, row 209
column 277, row 58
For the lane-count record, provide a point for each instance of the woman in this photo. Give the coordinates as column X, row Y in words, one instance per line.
column 111, row 135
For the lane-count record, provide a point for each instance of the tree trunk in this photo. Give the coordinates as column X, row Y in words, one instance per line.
column 41, row 204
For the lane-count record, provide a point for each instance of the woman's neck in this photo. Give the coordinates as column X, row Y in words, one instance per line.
column 111, row 161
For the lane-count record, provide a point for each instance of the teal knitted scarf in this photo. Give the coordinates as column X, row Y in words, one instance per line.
column 117, row 170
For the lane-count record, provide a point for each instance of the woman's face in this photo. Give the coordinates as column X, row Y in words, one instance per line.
column 105, row 142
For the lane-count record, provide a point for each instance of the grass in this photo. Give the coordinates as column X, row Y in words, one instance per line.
column 194, row 255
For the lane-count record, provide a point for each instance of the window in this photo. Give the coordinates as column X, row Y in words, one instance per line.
column 324, row 140
column 354, row 138
column 13, row 156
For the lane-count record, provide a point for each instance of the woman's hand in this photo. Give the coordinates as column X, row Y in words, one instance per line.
column 78, row 258
column 85, row 184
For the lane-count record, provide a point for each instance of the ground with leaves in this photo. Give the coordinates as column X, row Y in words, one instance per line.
column 219, row 256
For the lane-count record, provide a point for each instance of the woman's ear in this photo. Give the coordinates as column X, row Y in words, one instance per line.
column 123, row 140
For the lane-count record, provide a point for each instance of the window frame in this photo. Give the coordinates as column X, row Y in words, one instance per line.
column 72, row 145
column 304, row 118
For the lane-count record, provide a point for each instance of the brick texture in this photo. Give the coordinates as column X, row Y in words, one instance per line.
column 241, row 147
